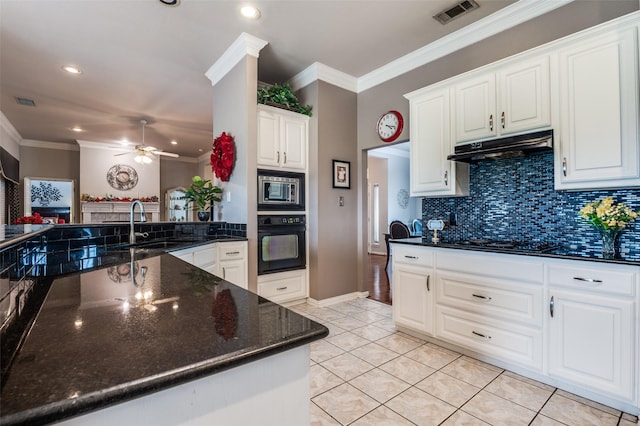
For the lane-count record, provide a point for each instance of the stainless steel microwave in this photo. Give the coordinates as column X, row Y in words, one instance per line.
column 280, row 190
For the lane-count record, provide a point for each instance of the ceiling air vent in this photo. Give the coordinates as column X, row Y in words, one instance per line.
column 26, row 102
column 458, row 10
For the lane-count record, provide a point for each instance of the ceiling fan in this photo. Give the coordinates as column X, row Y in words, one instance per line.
column 145, row 153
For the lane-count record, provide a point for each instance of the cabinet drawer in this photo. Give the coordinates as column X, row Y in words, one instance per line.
column 205, row 256
column 492, row 264
column 412, row 255
column 499, row 298
column 282, row 286
column 231, row 251
column 512, row 343
column 619, row 280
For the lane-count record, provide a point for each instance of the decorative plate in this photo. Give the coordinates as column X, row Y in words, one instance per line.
column 403, row 198
column 122, row 177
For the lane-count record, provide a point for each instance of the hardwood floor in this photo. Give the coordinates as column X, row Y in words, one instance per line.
column 379, row 280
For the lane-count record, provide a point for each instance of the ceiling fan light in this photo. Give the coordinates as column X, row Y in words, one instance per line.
column 139, row 158
column 146, row 160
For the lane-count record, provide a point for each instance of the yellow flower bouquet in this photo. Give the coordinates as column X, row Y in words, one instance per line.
column 605, row 214
column 609, row 219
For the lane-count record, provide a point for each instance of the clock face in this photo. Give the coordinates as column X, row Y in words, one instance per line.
column 390, row 126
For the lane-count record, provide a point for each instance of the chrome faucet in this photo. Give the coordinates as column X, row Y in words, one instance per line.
column 143, row 218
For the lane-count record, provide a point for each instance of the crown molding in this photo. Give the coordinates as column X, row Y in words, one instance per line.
column 8, row 127
column 49, row 145
column 504, row 19
column 319, row 71
column 244, row 45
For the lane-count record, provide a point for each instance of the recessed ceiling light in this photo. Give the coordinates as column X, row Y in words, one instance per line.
column 124, row 142
column 72, row 70
column 174, row 142
column 77, row 129
column 250, row 12
column 200, row 149
column 170, row 2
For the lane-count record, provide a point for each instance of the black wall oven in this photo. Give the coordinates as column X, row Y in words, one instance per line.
column 279, row 190
column 281, row 243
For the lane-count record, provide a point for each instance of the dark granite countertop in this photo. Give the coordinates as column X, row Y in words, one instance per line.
column 557, row 253
column 12, row 234
column 144, row 324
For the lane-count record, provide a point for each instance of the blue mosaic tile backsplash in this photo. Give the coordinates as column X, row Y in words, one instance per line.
column 514, row 199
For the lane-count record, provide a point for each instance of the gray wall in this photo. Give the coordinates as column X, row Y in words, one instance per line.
column 332, row 229
column 372, row 103
column 235, row 112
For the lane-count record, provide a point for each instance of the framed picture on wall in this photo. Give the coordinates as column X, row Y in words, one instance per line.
column 341, row 174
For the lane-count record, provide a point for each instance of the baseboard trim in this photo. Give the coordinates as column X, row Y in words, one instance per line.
column 338, row 299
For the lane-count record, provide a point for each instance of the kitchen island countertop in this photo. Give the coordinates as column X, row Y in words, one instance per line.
column 108, row 335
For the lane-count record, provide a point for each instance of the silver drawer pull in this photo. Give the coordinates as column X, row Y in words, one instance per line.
column 282, row 288
column 481, row 335
column 588, row 280
column 410, row 257
column 229, row 253
column 479, row 296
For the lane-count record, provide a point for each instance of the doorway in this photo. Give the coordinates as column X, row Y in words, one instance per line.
column 387, row 200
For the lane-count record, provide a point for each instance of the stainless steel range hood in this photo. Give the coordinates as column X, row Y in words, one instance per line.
column 512, row 146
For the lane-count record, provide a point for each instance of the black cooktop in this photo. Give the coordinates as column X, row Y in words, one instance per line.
column 528, row 246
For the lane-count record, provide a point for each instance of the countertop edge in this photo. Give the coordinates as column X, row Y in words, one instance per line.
column 419, row 241
column 84, row 404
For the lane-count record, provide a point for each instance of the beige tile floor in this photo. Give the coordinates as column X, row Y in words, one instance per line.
column 367, row 373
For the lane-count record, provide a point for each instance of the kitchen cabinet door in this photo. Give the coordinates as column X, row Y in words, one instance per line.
column 591, row 341
column 232, row 262
column 413, row 287
column 430, row 133
column 475, row 108
column 283, row 137
column 514, row 99
column 413, row 297
column 524, row 97
column 294, row 142
column 268, row 139
column 597, row 145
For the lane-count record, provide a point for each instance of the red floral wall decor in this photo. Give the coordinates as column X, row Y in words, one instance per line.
column 223, row 157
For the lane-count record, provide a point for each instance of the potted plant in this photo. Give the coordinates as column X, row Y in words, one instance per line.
column 202, row 194
column 281, row 95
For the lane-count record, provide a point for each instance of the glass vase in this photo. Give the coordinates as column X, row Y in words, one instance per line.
column 609, row 242
column 203, row 216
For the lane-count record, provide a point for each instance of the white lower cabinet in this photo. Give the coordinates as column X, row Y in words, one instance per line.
column 227, row 260
column 592, row 327
column 491, row 304
column 232, row 262
column 283, row 286
column 413, row 281
column 573, row 324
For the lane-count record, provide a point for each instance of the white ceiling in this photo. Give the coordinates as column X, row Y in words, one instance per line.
column 141, row 59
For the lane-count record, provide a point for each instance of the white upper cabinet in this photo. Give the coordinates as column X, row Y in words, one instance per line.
column 516, row 98
column 430, row 134
column 598, row 142
column 282, row 139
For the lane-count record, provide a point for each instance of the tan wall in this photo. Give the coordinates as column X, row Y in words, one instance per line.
column 374, row 102
column 332, row 229
column 51, row 163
